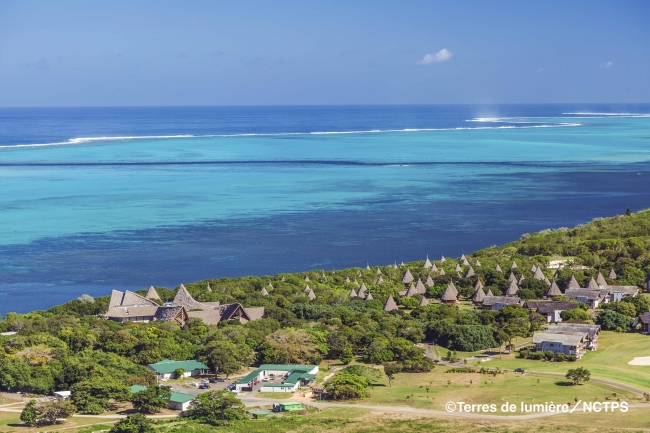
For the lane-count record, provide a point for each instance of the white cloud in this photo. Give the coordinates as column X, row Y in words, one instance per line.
column 441, row 56
column 607, row 65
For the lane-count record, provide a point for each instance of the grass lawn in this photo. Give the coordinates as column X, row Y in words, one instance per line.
column 10, row 422
column 410, row 389
column 609, row 362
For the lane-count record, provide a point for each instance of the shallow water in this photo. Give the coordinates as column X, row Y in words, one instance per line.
column 82, row 215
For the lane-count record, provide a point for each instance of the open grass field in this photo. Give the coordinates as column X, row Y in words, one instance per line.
column 411, row 390
column 609, row 362
column 275, row 395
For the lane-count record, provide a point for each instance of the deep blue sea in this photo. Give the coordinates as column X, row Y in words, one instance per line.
column 93, row 199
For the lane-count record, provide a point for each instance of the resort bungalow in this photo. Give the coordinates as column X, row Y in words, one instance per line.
column 616, row 293
column 568, row 344
column 551, row 309
column 498, row 302
column 278, row 378
column 178, row 401
column 592, row 297
column 643, row 323
column 166, row 368
column 592, row 332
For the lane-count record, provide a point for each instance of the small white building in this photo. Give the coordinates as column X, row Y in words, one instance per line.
column 62, row 395
column 278, row 377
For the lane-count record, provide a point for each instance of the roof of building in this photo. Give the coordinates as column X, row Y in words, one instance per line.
column 591, row 330
column 512, row 289
column 549, row 307
column 600, row 279
column 152, row 294
column 424, row 302
column 478, row 284
column 129, row 299
column 169, row 366
column 573, row 283
column 408, row 277
column 427, row 263
column 176, row 397
column 590, row 294
column 498, row 268
column 390, row 304
column 479, row 296
column 450, row 293
column 507, row 300
column 628, row 290
column 565, row 339
column 554, row 290
column 184, row 298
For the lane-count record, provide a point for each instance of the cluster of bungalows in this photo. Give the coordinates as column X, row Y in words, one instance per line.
column 567, row 338
column 278, row 378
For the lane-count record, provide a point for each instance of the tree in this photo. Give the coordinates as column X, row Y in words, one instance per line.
column 346, row 356
column 152, row 399
column 28, row 415
column 50, row 412
column 513, row 322
column 215, row 406
column 347, row 386
column 94, row 396
column 611, row 320
column 133, row 423
column 391, row 370
column 226, row 357
column 290, row 346
column 179, row 372
column 576, row 315
column 378, row 351
column 371, row 374
column 578, row 375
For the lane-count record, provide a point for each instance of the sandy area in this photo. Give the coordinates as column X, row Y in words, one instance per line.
column 643, row 360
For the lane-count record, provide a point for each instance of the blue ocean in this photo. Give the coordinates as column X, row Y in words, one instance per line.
column 94, row 199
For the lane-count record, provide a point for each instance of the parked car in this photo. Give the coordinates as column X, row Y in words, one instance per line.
column 204, row 386
column 221, row 379
column 519, row 370
column 194, row 384
column 214, row 380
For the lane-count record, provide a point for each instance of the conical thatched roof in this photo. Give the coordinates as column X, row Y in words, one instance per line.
column 470, row 272
column 600, row 279
column 307, row 288
column 152, row 294
column 209, row 289
column 401, row 265
column 434, row 268
column 513, row 265
column 306, row 277
column 512, row 289
column 592, row 284
column 429, row 281
column 424, row 302
column 478, row 264
column 270, row 285
column 442, row 271
column 450, row 293
column 359, row 274
column 478, row 296
column 489, row 293
column 264, row 292
column 411, row 291
column 311, row 294
column 356, row 282
column 390, row 304
column 347, row 279
column 395, row 265
column 521, row 279
column 458, row 268
column 442, row 259
column 362, row 290
column 369, row 297
column 427, row 263
column 184, row 299
column 554, row 290
column 420, row 287
column 478, row 285
column 465, row 262
column 462, row 257
column 533, row 269
column 612, row 274
column 539, row 275
column 573, row 283
column 408, row 278
column 512, row 278
column 353, row 293
column 498, row 268
column 379, row 280
column 367, row 267
column 547, row 280
column 378, row 271
column 283, row 279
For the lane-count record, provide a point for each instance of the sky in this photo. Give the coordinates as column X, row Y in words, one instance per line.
column 150, row 53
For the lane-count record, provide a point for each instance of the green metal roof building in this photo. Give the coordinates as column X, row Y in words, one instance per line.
column 291, row 377
column 166, row 368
